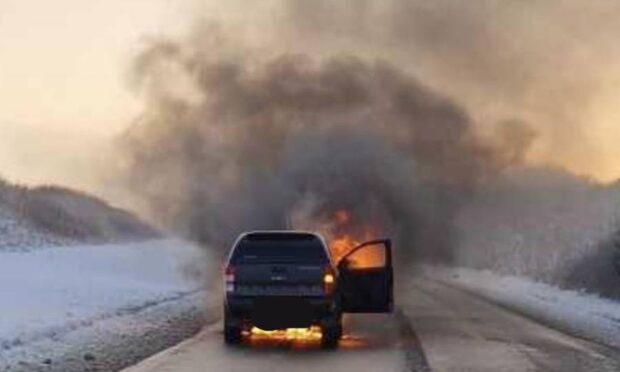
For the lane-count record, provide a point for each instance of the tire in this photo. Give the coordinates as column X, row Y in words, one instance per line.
column 331, row 332
column 232, row 330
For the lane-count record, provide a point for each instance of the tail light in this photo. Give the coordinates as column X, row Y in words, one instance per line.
column 329, row 280
column 229, row 279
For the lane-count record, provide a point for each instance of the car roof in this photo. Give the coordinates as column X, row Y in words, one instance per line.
column 280, row 234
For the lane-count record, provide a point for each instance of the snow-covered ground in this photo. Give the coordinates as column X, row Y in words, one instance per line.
column 584, row 315
column 54, row 301
column 104, row 307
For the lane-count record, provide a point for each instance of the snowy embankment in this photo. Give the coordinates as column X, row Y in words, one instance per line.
column 584, row 315
column 101, row 306
column 45, row 216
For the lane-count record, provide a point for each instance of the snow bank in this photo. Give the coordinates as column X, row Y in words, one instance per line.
column 47, row 216
column 584, row 315
column 45, row 294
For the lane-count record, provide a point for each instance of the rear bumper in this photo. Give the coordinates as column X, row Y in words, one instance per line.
column 277, row 312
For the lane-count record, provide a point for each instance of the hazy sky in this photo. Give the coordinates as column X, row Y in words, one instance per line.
column 64, row 95
column 62, row 79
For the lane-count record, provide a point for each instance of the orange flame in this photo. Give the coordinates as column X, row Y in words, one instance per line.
column 342, row 217
column 343, row 243
column 340, row 246
column 290, row 334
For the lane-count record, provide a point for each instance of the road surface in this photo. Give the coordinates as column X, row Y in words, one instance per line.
column 446, row 329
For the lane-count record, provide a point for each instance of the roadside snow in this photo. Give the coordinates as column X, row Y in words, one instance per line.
column 47, row 296
column 584, row 315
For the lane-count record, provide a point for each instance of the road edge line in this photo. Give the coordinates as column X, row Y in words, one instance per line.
column 415, row 358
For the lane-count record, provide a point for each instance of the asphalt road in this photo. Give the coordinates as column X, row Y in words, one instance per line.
column 373, row 343
column 447, row 328
column 460, row 331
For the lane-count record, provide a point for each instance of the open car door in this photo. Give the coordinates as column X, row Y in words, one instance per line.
column 366, row 278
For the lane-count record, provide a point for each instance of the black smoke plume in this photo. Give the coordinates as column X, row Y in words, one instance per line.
column 230, row 143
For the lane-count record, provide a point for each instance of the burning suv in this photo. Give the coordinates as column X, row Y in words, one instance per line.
column 288, row 279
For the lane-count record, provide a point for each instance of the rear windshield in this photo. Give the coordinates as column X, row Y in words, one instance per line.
column 279, row 248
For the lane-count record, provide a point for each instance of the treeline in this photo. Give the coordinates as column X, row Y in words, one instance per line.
column 545, row 224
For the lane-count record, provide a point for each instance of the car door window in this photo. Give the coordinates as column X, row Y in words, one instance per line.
column 370, row 257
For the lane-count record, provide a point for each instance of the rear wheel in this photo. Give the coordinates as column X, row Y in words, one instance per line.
column 232, row 329
column 331, row 330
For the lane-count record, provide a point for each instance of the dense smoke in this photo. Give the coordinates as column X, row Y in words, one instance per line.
column 444, row 124
column 246, row 144
column 552, row 64
column 328, row 109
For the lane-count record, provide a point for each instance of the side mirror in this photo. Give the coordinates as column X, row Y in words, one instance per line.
column 344, row 263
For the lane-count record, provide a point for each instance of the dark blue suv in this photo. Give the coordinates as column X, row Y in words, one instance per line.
column 288, row 279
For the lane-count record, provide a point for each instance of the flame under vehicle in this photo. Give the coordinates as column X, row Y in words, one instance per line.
column 288, row 279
